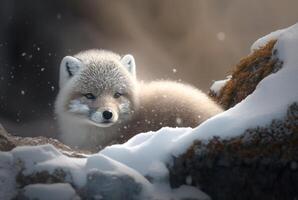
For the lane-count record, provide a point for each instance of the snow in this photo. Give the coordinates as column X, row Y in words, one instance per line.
column 188, row 180
column 221, row 36
column 264, row 40
column 149, row 154
column 77, row 107
column 99, row 161
column 32, row 155
column 33, row 159
column 58, row 191
column 164, row 192
column 272, row 36
column 7, row 183
column 218, row 85
column 157, row 146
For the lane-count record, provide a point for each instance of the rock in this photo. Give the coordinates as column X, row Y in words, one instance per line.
column 57, row 176
column 37, row 171
column 109, row 186
column 260, row 163
column 247, row 74
column 6, row 144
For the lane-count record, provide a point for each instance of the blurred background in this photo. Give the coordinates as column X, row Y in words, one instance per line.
column 193, row 41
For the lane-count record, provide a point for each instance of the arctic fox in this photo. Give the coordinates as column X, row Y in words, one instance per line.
column 101, row 101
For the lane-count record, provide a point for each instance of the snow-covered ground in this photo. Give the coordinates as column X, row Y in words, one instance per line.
column 148, row 154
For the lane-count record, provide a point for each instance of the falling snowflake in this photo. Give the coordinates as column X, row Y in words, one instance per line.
column 221, row 36
column 188, row 180
column 178, row 120
column 58, row 16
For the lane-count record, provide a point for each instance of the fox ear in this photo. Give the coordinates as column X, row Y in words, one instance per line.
column 69, row 67
column 129, row 63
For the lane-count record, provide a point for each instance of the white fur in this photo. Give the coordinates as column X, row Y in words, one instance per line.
column 97, row 117
column 76, row 106
column 129, row 62
column 68, row 65
column 76, row 129
column 148, row 106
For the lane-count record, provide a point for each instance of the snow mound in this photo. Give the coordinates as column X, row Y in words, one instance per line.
column 145, row 151
column 7, row 174
column 58, row 191
column 272, row 36
column 96, row 176
column 264, row 40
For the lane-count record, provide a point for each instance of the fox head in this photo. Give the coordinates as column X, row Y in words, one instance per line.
column 98, row 87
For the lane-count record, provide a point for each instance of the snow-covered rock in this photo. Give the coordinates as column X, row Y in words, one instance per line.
column 5, row 142
column 58, row 191
column 264, row 40
column 30, row 171
column 218, row 85
column 247, row 74
column 259, row 164
column 259, row 161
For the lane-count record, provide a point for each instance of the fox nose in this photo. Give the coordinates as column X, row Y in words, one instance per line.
column 107, row 114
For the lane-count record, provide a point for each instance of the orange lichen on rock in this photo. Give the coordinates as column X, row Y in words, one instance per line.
column 247, row 74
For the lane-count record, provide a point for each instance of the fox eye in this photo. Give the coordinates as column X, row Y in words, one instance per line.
column 90, row 96
column 117, row 95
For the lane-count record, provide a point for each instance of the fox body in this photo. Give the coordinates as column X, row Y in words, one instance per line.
column 101, row 101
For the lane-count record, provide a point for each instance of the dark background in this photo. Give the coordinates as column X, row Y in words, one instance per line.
column 200, row 39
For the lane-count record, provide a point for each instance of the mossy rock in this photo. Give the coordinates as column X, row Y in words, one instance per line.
column 262, row 163
column 247, row 74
